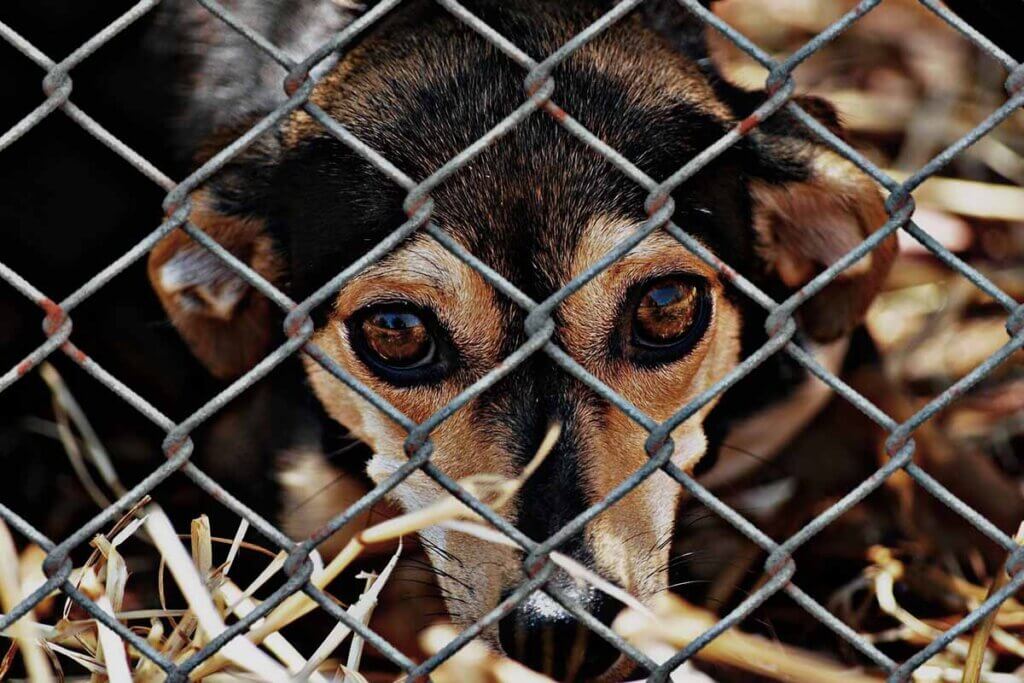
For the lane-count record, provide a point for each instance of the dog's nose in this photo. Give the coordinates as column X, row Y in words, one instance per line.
column 544, row 636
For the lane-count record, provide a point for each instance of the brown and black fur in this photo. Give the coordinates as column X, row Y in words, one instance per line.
column 538, row 206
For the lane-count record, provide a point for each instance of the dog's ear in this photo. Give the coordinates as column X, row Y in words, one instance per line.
column 225, row 321
column 227, row 324
column 810, row 208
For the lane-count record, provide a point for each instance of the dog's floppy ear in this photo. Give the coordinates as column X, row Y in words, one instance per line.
column 811, row 207
column 225, row 321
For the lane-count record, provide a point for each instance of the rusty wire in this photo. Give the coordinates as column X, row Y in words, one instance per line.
column 540, row 95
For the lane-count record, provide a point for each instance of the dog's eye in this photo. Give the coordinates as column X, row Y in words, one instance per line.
column 665, row 312
column 398, row 338
column 669, row 317
column 402, row 343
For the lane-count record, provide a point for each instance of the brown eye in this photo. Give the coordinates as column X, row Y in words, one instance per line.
column 398, row 338
column 670, row 312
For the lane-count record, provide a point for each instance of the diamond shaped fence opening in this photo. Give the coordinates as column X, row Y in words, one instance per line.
column 971, row 407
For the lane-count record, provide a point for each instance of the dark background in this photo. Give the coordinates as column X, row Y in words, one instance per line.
column 69, row 206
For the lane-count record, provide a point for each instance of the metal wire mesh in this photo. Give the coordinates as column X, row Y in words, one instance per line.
column 540, row 95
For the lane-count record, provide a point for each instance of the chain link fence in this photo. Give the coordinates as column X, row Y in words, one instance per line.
column 540, row 99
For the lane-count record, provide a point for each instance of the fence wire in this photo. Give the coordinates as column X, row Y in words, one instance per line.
column 540, row 98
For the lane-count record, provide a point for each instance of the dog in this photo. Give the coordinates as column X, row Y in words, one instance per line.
column 659, row 326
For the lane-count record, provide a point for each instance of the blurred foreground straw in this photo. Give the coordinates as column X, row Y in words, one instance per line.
column 677, row 624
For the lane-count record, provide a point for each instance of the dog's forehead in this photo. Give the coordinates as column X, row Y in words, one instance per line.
column 420, row 96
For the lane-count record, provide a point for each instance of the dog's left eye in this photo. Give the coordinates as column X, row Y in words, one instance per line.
column 669, row 316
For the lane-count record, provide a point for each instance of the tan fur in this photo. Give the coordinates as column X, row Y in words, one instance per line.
column 626, row 537
column 422, row 271
column 807, row 226
column 228, row 342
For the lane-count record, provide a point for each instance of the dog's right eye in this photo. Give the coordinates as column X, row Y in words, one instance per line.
column 400, row 343
column 398, row 338
column 669, row 316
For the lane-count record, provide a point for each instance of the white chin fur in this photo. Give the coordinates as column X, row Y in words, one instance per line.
column 690, row 447
column 416, row 492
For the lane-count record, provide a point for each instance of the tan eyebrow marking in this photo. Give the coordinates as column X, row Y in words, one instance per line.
column 424, row 273
column 591, row 314
column 606, row 232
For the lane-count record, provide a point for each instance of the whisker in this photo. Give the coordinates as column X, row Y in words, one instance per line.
column 431, row 547
column 416, row 563
column 674, row 561
column 316, row 494
column 441, row 573
column 768, row 463
column 447, row 615
column 661, row 543
column 351, row 446
column 680, row 584
column 437, row 590
column 413, row 597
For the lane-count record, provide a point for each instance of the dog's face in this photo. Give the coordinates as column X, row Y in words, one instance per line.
column 539, row 207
